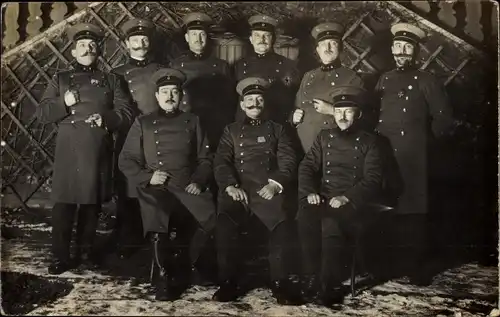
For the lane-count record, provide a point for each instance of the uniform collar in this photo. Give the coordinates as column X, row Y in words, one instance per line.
column 265, row 55
column 253, row 122
column 82, row 68
column 202, row 56
column 404, row 69
column 136, row 62
column 171, row 114
column 353, row 129
column 331, row 66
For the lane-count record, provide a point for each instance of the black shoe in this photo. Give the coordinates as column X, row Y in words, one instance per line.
column 89, row 261
column 283, row 292
column 227, row 292
column 310, row 288
column 58, row 267
column 331, row 296
column 167, row 289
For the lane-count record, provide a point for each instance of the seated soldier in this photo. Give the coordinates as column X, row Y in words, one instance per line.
column 339, row 175
column 253, row 165
column 167, row 161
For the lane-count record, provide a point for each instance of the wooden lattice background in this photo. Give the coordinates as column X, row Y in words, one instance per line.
column 28, row 147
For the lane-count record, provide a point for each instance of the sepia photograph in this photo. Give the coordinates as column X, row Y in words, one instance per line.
column 288, row 158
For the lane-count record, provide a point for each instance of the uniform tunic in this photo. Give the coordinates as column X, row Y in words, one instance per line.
column 83, row 156
column 342, row 163
column 210, row 92
column 250, row 155
column 413, row 104
column 174, row 143
column 281, row 73
column 318, row 83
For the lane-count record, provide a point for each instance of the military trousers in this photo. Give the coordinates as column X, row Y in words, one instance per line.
column 230, row 250
column 63, row 216
column 324, row 233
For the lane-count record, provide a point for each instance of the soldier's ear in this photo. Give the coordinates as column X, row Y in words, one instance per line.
column 242, row 104
column 156, row 95
column 73, row 52
column 360, row 113
column 250, row 39
column 186, row 37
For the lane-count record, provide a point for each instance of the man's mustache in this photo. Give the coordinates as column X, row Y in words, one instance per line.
column 402, row 55
column 343, row 121
column 254, row 107
column 140, row 48
column 88, row 53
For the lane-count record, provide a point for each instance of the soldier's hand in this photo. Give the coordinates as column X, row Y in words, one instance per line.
column 94, row 120
column 237, row 194
column 159, row 177
column 339, row 201
column 313, row 199
column 70, row 97
column 193, row 189
column 268, row 191
column 298, row 116
column 323, row 107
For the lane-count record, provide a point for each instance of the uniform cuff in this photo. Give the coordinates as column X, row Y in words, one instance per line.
column 279, row 185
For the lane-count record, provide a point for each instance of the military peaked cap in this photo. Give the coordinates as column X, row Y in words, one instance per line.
column 196, row 21
column 327, row 30
column 85, row 31
column 168, row 76
column 348, row 96
column 261, row 22
column 252, row 85
column 137, row 27
column 407, row 32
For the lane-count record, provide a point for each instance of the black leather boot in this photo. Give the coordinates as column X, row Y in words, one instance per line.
column 228, row 291
column 58, row 267
column 310, row 288
column 284, row 293
column 331, row 294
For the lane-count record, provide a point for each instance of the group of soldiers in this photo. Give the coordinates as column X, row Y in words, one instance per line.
column 189, row 160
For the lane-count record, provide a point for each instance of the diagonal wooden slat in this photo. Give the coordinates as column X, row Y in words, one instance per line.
column 167, row 15
column 364, row 61
column 26, row 91
column 127, row 11
column 354, row 26
column 58, row 54
column 28, row 134
column 361, row 57
column 432, row 57
column 18, row 158
column 456, row 71
column 40, row 70
column 108, row 29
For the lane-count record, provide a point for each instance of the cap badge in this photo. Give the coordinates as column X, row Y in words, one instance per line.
column 343, row 97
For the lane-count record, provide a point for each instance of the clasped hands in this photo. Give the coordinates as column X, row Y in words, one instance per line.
column 71, row 97
column 160, row 177
column 335, row 202
column 267, row 192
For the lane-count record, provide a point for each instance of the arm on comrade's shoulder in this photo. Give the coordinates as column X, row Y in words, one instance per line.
column 310, row 169
column 52, row 108
column 131, row 160
column 366, row 189
column 224, row 171
column 287, row 160
column 124, row 108
column 203, row 172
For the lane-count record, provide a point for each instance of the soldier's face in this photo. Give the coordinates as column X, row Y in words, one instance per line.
column 261, row 41
column 168, row 97
column 85, row 51
column 403, row 52
column 197, row 40
column 253, row 105
column 345, row 116
column 138, row 45
column 328, row 50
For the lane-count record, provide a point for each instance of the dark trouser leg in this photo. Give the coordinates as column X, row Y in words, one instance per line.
column 88, row 216
column 309, row 225
column 62, row 224
column 278, row 239
column 128, row 223
column 227, row 241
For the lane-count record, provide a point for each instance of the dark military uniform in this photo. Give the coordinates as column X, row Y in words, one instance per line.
column 137, row 74
column 83, row 156
column 250, row 154
column 209, row 89
column 339, row 163
column 414, row 109
column 280, row 71
column 317, row 83
column 173, row 142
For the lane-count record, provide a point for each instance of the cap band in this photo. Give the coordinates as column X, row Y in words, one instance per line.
column 196, row 25
column 168, row 80
column 252, row 89
column 138, row 30
column 262, row 26
column 329, row 35
column 346, row 101
column 406, row 36
column 85, row 35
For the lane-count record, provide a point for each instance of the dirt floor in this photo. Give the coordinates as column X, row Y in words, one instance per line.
column 118, row 288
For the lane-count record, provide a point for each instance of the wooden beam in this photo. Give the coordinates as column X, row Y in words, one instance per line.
column 468, row 47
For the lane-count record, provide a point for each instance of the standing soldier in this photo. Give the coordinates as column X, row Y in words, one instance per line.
column 347, row 162
column 137, row 73
column 254, row 164
column 313, row 112
column 209, row 87
column 414, row 109
column 88, row 105
column 263, row 62
column 167, row 161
